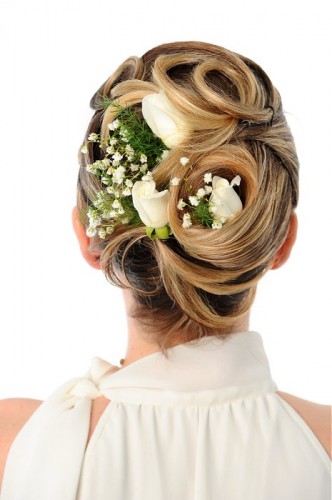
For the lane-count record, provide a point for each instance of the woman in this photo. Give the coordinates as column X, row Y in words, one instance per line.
column 186, row 197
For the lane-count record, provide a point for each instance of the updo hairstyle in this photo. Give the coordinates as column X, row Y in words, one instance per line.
column 200, row 281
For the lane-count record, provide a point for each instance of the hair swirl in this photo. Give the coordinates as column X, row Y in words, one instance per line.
column 201, row 281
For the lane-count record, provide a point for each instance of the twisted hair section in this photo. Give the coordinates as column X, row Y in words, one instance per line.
column 201, row 281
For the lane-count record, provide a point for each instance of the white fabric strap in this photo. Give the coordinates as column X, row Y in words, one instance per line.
column 38, row 470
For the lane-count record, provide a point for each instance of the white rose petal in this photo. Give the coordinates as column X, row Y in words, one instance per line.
column 224, row 201
column 151, row 205
column 163, row 119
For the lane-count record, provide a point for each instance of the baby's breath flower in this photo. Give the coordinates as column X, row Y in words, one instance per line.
column 143, row 158
column 105, row 180
column 93, row 137
column 184, row 160
column 91, row 231
column 134, row 167
column 121, row 211
column 110, row 150
column 109, row 229
column 208, row 189
column 129, row 183
column 114, row 124
column 118, row 175
column 186, row 221
column 144, row 168
column 112, row 214
column 208, row 178
column 201, row 193
column 102, row 233
column 91, row 168
column 126, row 192
column 217, row 224
column 164, row 154
column 129, row 150
column 116, row 204
column 181, row 204
column 147, row 177
column 175, row 181
column 194, row 201
column 117, row 156
column 84, row 149
column 106, row 162
column 112, row 142
column 125, row 220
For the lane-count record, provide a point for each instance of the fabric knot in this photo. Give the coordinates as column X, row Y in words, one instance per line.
column 89, row 386
column 86, row 389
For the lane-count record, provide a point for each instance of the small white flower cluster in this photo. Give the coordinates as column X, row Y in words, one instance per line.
column 118, row 171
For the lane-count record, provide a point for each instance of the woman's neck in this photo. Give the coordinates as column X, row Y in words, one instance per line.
column 138, row 344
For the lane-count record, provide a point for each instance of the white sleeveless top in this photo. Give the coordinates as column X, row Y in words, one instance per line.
column 204, row 424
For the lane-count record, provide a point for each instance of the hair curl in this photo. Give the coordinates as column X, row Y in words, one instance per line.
column 201, row 281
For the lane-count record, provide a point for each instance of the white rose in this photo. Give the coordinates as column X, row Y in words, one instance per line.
column 224, row 201
column 163, row 119
column 150, row 204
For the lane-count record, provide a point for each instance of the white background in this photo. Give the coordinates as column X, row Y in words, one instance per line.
column 56, row 312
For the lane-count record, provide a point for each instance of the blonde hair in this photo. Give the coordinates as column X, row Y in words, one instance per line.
column 202, row 281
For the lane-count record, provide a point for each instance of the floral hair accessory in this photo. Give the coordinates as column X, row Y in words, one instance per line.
column 214, row 205
column 128, row 193
column 164, row 120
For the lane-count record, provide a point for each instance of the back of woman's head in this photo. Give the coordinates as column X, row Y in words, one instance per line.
column 199, row 281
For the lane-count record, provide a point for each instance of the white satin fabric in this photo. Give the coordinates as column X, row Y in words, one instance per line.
column 204, row 424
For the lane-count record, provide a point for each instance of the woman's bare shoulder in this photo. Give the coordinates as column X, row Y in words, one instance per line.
column 318, row 417
column 14, row 413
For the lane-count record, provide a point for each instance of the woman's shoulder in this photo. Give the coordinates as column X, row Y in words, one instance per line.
column 14, row 413
column 317, row 416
